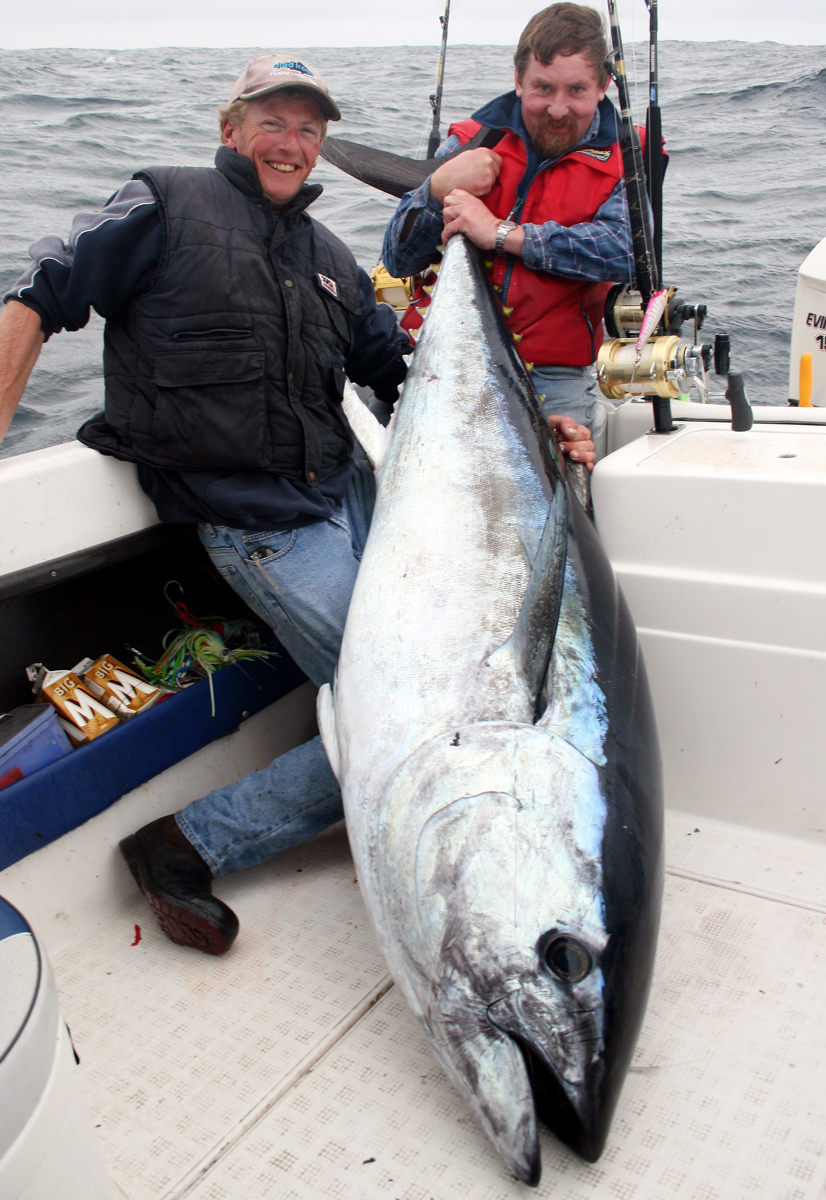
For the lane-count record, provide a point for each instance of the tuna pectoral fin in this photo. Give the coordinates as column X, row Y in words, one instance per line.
column 490, row 1072
column 371, row 435
column 527, row 652
column 327, row 726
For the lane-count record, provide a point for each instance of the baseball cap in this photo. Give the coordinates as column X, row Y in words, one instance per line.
column 270, row 72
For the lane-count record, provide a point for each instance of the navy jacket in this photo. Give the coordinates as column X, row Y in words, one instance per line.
column 268, row 445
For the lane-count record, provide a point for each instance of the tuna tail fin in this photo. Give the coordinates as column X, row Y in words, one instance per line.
column 391, row 173
column 327, row 727
column 373, row 437
column 524, row 658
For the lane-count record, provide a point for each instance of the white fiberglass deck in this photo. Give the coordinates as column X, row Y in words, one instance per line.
column 291, row 1068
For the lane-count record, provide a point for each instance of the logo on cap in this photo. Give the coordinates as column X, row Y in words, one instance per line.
column 292, row 66
column 329, row 285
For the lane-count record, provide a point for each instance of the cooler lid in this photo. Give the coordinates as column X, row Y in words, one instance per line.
column 20, row 971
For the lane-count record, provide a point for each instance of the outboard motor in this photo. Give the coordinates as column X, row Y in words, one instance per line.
column 807, row 361
column 47, row 1145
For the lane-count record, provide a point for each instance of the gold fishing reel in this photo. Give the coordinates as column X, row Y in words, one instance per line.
column 624, row 311
column 396, row 292
column 667, row 366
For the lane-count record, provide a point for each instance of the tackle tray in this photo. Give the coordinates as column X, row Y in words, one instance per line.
column 41, row 807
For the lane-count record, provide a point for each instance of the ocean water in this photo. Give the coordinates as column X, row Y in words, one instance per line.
column 745, row 191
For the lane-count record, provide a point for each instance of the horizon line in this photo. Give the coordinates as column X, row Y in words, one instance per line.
column 392, row 45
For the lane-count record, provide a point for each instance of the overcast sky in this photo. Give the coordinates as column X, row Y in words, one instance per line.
column 306, row 23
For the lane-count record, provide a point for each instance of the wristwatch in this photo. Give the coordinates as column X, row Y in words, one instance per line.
column 502, row 231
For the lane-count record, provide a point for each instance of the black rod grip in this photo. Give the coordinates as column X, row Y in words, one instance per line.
column 742, row 418
column 654, row 177
column 722, row 354
column 639, row 213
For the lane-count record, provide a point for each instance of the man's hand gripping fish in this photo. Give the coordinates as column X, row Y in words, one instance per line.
column 492, row 731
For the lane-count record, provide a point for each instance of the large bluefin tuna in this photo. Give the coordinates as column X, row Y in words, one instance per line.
column 492, row 731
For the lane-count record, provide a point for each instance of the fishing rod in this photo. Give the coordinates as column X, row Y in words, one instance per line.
column 646, row 358
column 635, row 188
column 654, row 135
column 436, row 99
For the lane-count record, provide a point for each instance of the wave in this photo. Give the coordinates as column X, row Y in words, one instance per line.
column 36, row 100
column 811, row 85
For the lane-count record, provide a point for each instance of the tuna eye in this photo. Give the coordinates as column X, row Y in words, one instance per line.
column 568, row 958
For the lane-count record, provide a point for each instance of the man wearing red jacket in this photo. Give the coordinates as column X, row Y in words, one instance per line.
column 547, row 204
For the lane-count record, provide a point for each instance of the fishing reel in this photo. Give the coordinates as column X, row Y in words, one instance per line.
column 396, row 292
column 624, row 312
column 665, row 366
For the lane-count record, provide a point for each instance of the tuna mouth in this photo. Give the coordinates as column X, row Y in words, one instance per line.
column 585, row 1135
column 565, row 1069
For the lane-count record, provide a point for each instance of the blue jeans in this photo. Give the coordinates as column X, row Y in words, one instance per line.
column 300, row 582
column 566, row 391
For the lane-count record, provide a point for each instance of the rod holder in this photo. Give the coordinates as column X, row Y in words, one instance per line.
column 662, row 415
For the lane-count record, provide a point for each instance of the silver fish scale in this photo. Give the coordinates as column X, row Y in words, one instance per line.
column 459, row 514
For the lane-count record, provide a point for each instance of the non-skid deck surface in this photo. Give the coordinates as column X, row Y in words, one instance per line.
column 291, row 1069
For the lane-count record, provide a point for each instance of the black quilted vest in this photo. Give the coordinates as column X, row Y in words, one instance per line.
column 234, row 357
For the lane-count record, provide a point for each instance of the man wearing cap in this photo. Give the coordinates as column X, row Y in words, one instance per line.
column 547, row 204
column 231, row 320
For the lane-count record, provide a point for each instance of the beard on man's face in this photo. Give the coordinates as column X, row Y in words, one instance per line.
column 553, row 138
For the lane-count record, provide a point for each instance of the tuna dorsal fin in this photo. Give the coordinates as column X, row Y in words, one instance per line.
column 523, row 659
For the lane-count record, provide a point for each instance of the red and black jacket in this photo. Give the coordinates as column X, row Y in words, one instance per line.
column 558, row 319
